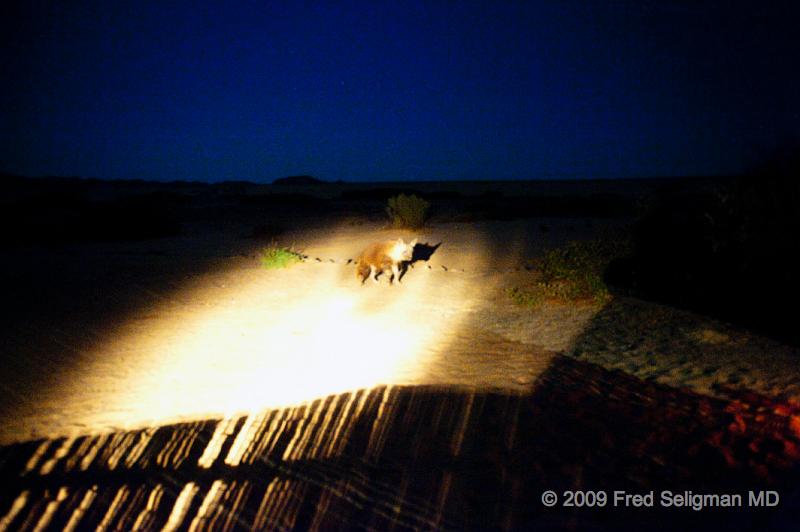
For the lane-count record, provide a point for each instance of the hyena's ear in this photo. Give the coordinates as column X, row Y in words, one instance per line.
column 400, row 241
column 412, row 243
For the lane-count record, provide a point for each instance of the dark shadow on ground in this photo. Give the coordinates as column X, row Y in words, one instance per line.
column 431, row 458
column 424, row 252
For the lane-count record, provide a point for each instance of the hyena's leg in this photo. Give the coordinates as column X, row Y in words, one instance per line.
column 373, row 273
column 395, row 273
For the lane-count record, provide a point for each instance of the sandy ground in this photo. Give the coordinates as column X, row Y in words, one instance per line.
column 233, row 337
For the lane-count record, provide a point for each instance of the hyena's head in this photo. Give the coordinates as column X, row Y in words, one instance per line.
column 403, row 251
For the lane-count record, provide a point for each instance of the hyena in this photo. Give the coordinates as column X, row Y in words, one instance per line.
column 381, row 257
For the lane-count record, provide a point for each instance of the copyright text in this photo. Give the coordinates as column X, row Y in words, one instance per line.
column 664, row 499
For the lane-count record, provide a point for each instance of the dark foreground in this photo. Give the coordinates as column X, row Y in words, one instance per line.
column 419, row 458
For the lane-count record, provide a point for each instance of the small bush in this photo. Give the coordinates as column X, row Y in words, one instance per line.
column 408, row 212
column 276, row 257
column 525, row 297
column 580, row 260
column 571, row 273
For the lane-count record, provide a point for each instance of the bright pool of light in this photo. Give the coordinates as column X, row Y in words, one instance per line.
column 273, row 338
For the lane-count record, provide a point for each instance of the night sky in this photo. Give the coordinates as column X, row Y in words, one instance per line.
column 379, row 90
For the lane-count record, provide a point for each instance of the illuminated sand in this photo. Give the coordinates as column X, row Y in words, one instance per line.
column 245, row 338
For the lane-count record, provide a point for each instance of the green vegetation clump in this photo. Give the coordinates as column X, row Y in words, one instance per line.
column 525, row 297
column 573, row 272
column 408, row 212
column 275, row 257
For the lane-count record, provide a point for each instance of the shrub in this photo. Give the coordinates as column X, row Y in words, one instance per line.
column 729, row 252
column 526, row 297
column 572, row 272
column 275, row 257
column 581, row 260
column 407, row 211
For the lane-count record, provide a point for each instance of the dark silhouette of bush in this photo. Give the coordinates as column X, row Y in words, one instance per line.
column 729, row 252
column 409, row 212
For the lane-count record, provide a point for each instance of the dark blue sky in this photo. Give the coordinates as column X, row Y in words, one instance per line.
column 395, row 90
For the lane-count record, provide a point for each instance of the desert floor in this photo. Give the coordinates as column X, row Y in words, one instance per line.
column 120, row 336
column 177, row 382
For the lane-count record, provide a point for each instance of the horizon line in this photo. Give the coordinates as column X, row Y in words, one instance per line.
column 323, row 182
